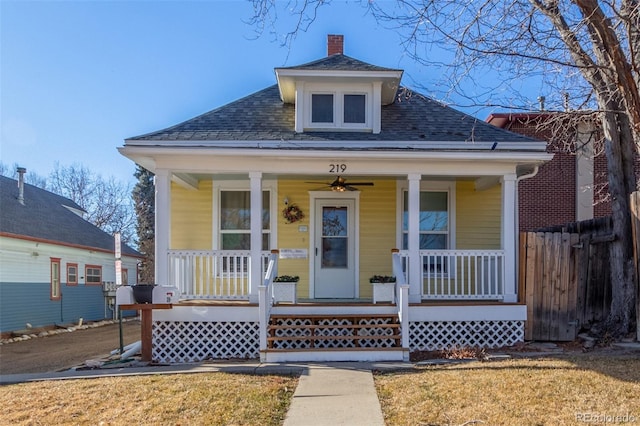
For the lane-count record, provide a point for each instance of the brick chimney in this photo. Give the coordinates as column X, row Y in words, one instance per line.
column 335, row 44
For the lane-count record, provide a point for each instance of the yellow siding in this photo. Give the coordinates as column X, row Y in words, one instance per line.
column 477, row 217
column 191, row 217
column 289, row 236
column 377, row 232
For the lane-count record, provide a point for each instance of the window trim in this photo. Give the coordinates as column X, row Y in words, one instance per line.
column 55, row 288
column 339, row 92
column 86, row 274
column 71, row 283
column 243, row 185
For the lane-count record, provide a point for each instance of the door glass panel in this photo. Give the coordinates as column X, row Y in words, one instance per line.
column 334, row 237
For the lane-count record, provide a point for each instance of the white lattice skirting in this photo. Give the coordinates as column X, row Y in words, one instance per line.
column 439, row 335
column 190, row 341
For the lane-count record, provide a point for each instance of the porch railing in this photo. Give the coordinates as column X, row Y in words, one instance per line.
column 461, row 274
column 212, row 274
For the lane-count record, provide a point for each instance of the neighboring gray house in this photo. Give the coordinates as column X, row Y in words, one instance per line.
column 54, row 265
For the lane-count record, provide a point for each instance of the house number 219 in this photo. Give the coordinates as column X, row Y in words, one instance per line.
column 337, row 168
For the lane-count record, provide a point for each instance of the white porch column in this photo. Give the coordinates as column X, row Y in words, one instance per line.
column 162, row 181
column 413, row 244
column 256, row 235
column 509, row 246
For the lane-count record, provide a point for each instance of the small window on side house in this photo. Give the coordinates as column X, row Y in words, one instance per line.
column 55, row 292
column 72, row 274
column 93, row 275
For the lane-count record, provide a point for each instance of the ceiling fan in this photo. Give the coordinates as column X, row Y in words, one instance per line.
column 340, row 184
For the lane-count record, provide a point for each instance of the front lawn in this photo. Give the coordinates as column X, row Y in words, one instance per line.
column 180, row 399
column 581, row 389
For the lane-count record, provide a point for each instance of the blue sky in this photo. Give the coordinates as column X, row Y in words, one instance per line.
column 79, row 77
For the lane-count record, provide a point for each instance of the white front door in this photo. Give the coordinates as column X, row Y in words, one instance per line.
column 335, row 249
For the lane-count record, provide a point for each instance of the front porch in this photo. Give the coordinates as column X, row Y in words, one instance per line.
column 216, row 318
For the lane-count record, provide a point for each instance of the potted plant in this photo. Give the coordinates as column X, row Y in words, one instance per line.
column 384, row 288
column 284, row 288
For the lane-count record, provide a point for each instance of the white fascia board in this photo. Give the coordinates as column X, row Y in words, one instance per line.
column 310, row 145
column 307, row 162
column 338, row 73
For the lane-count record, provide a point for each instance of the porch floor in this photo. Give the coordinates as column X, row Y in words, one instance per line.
column 344, row 302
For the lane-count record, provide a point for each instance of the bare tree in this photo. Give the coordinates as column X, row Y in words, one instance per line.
column 108, row 202
column 584, row 50
column 30, row 177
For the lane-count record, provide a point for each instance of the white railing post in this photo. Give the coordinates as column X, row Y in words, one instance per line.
column 403, row 314
column 402, row 300
column 265, row 301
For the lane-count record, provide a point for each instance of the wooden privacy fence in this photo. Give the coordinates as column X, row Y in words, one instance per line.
column 565, row 277
column 566, row 280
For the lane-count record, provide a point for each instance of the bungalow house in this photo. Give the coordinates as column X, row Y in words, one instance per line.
column 335, row 174
column 55, row 267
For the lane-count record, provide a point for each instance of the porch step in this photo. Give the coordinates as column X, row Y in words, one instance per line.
column 335, row 355
column 346, row 332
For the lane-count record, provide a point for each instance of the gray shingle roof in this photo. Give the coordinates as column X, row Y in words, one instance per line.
column 44, row 216
column 338, row 62
column 262, row 116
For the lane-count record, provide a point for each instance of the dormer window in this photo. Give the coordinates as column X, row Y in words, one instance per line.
column 339, row 109
column 353, row 108
column 321, row 108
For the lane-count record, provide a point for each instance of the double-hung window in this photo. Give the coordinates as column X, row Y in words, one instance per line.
column 72, row 274
column 55, row 291
column 434, row 227
column 235, row 220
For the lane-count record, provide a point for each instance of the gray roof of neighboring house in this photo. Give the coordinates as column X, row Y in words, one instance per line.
column 44, row 216
column 262, row 116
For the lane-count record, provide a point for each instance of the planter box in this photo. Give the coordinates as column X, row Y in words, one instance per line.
column 284, row 292
column 384, row 292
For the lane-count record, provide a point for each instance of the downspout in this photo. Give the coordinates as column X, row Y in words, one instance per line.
column 518, row 179
column 536, row 168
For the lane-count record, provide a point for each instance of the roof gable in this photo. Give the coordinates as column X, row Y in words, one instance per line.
column 338, row 62
column 47, row 216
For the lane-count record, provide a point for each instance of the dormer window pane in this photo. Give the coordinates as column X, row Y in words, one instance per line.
column 321, row 108
column 354, row 108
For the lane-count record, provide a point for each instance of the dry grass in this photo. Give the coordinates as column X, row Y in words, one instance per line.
column 514, row 392
column 184, row 399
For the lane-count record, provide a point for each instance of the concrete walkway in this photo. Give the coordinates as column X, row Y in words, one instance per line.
column 335, row 394
column 339, row 393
